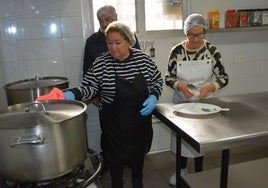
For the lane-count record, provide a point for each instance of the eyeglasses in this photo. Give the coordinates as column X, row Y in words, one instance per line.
column 198, row 35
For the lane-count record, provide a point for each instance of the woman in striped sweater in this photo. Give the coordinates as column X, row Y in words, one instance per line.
column 128, row 83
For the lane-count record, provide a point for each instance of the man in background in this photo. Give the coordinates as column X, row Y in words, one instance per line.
column 96, row 43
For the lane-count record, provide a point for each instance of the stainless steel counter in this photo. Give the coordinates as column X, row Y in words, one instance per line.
column 245, row 123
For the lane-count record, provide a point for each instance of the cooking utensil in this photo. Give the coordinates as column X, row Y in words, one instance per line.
column 42, row 140
column 193, row 89
column 29, row 89
column 215, row 109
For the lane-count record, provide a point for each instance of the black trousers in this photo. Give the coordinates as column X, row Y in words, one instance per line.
column 117, row 172
column 198, row 163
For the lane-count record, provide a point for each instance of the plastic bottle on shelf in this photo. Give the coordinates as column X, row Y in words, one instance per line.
column 214, row 19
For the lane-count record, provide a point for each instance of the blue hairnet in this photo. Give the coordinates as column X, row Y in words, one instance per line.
column 194, row 20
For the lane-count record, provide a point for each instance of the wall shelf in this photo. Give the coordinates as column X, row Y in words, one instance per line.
column 238, row 29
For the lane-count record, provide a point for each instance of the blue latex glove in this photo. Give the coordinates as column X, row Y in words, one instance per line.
column 149, row 105
column 68, row 95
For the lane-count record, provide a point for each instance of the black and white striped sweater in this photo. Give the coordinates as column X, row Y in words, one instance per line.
column 100, row 78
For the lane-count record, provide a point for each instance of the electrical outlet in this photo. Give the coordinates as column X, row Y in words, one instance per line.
column 239, row 59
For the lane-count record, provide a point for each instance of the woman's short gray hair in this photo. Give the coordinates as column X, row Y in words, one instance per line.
column 123, row 29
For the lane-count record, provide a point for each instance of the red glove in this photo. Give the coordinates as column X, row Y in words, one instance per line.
column 54, row 94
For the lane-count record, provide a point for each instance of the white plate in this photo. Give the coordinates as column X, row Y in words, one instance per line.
column 197, row 108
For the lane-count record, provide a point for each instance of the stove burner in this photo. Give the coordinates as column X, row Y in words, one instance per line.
column 82, row 177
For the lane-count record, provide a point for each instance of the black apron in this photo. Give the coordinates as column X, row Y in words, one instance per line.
column 126, row 135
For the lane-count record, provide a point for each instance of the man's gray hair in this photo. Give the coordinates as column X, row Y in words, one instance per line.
column 107, row 10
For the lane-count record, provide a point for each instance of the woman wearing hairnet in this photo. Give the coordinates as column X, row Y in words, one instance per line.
column 198, row 62
column 129, row 84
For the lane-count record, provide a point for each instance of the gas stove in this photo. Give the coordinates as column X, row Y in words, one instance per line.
column 84, row 176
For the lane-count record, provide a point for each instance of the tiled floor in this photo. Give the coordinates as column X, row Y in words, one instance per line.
column 160, row 166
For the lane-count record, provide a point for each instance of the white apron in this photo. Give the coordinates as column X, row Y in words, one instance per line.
column 198, row 73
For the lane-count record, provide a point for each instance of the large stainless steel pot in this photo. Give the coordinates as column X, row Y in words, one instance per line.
column 29, row 89
column 42, row 140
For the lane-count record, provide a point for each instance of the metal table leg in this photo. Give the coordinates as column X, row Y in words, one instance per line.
column 224, row 168
column 178, row 161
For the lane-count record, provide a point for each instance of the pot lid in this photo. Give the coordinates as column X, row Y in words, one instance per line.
column 37, row 82
column 31, row 114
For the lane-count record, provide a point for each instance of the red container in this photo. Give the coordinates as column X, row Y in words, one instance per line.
column 230, row 18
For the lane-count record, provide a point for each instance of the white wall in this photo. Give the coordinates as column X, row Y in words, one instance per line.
column 34, row 50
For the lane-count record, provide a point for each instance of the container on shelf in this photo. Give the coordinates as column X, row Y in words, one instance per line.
column 257, row 18
column 251, row 13
column 230, row 18
column 214, row 19
column 265, row 16
column 243, row 17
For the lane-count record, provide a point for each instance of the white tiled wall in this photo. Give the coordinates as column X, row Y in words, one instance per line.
column 41, row 38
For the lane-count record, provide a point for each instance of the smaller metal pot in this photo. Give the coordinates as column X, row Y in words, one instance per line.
column 29, row 89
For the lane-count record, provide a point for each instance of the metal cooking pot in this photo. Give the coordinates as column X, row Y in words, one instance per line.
column 29, row 89
column 42, row 140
